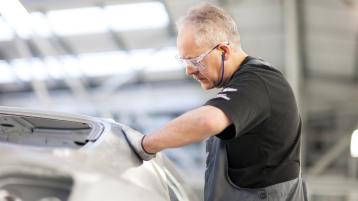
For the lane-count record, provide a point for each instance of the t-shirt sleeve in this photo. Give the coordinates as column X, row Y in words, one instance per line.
column 245, row 100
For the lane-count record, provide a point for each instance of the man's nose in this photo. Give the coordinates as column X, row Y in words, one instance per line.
column 190, row 70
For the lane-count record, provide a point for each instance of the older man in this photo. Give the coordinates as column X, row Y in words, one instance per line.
column 252, row 125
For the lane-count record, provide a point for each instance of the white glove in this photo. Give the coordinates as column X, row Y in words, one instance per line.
column 135, row 140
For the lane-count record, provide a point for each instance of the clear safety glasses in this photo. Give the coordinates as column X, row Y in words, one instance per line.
column 196, row 62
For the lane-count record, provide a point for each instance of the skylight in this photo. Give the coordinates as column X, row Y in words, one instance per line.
column 38, row 69
column 40, row 24
column 146, row 15
column 139, row 58
column 71, row 66
column 22, row 69
column 54, row 68
column 107, row 63
column 17, row 17
column 7, row 76
column 77, row 21
column 5, row 32
column 164, row 60
column 90, row 65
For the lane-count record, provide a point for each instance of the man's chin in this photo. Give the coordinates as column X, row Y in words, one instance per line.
column 206, row 86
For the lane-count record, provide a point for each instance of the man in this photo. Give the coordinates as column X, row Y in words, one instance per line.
column 253, row 124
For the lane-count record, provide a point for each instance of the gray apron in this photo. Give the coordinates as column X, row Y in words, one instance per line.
column 219, row 187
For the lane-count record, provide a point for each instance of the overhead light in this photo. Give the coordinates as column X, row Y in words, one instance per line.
column 90, row 65
column 354, row 144
column 163, row 60
column 146, row 15
column 17, row 17
column 140, row 58
column 29, row 69
column 119, row 62
column 7, row 76
column 38, row 69
column 106, row 63
column 122, row 17
column 22, row 69
column 71, row 66
column 40, row 24
column 5, row 32
column 77, row 21
column 54, row 68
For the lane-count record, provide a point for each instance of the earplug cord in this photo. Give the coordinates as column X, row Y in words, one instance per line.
column 222, row 70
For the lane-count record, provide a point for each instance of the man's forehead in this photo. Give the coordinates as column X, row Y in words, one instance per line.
column 188, row 53
column 186, row 44
column 186, row 36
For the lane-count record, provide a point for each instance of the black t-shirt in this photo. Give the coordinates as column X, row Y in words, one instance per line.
column 263, row 143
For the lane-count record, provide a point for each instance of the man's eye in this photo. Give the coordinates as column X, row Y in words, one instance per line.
column 195, row 62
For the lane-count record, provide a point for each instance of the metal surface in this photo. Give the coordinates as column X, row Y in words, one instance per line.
column 105, row 169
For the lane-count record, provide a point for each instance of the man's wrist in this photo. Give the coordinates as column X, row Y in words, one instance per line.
column 142, row 144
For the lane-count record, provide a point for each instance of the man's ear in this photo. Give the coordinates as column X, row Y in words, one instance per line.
column 222, row 50
column 225, row 50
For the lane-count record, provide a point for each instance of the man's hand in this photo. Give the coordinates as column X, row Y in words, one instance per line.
column 135, row 140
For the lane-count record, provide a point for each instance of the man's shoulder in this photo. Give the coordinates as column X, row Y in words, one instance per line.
column 256, row 67
column 256, row 64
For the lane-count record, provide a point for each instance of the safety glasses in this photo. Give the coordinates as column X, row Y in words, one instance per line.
column 196, row 62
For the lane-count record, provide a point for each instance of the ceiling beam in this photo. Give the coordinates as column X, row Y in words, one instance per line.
column 330, row 156
column 171, row 26
column 118, row 41
column 355, row 52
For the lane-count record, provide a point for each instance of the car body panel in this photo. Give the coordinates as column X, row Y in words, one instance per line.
column 105, row 168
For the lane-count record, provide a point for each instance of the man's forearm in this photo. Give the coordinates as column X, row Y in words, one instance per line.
column 188, row 128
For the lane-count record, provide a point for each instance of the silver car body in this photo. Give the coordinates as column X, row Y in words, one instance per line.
column 78, row 158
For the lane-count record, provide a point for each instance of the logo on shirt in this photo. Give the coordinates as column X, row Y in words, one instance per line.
column 229, row 89
column 223, row 95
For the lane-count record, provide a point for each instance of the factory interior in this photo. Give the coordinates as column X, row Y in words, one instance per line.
column 116, row 59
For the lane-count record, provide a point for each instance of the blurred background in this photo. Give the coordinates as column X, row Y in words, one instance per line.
column 116, row 59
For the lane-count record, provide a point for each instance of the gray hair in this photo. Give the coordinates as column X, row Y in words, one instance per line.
column 213, row 25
